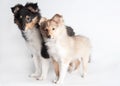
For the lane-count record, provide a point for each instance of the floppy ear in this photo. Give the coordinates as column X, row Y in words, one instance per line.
column 16, row 8
column 33, row 7
column 58, row 19
column 42, row 20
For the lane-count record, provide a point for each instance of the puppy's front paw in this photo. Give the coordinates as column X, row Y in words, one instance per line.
column 57, row 82
column 83, row 75
column 42, row 77
column 54, row 81
column 34, row 75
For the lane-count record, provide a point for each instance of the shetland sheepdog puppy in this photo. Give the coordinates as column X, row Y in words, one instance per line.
column 27, row 17
column 65, row 51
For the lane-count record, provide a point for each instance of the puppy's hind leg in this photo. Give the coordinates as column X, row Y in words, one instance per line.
column 74, row 65
column 85, row 61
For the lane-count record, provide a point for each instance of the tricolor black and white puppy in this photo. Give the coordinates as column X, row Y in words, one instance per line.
column 27, row 18
column 65, row 51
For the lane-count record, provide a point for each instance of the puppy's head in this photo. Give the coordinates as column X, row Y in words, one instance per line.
column 51, row 27
column 26, row 17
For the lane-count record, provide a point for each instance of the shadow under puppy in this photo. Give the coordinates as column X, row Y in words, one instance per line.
column 27, row 18
column 63, row 49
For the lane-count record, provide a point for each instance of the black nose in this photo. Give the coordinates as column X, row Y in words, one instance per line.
column 49, row 36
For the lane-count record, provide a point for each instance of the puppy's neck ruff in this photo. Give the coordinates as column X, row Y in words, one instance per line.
column 31, row 34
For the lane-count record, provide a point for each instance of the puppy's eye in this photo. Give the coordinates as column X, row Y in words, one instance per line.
column 28, row 19
column 53, row 28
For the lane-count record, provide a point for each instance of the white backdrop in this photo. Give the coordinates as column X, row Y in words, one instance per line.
column 99, row 20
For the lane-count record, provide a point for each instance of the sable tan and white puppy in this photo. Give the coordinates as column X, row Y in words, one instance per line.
column 63, row 49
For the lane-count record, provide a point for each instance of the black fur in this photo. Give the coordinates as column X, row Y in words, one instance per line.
column 44, row 52
column 70, row 31
column 24, row 36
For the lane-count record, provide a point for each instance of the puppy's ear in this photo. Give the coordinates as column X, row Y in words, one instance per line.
column 42, row 23
column 42, row 20
column 16, row 8
column 33, row 7
column 58, row 19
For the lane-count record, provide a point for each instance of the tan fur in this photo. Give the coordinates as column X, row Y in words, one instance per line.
column 16, row 9
column 21, row 17
column 56, row 67
column 74, row 65
column 31, row 24
column 57, row 18
column 77, row 63
column 43, row 19
column 31, row 8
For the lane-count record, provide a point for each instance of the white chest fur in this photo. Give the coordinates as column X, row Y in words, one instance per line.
column 55, row 49
column 33, row 39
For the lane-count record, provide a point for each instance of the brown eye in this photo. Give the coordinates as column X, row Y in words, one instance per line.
column 53, row 28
